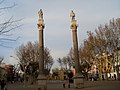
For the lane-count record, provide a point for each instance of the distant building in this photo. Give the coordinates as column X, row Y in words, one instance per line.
column 2, row 72
column 9, row 72
column 6, row 71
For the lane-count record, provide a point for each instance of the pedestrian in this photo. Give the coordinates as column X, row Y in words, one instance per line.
column 0, row 82
column 115, row 76
column 3, row 83
column 63, row 85
column 69, row 85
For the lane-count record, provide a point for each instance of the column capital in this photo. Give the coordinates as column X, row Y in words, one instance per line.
column 41, row 24
column 74, row 25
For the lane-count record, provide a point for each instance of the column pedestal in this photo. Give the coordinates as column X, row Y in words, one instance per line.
column 42, row 82
column 79, row 81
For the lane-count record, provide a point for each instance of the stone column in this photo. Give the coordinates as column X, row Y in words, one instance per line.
column 42, row 81
column 78, row 78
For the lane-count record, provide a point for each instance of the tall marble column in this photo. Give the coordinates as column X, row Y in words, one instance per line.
column 78, row 78
column 42, row 81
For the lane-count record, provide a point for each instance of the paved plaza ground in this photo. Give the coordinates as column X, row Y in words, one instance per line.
column 57, row 85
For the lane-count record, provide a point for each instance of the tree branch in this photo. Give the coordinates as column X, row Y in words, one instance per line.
column 5, row 46
column 2, row 1
column 6, row 39
column 8, row 6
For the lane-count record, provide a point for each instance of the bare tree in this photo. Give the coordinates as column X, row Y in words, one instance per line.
column 59, row 60
column 106, row 39
column 30, row 53
column 1, row 59
column 67, row 61
column 6, row 27
column 48, row 60
column 70, row 58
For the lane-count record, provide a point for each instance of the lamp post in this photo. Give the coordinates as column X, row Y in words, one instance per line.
column 78, row 78
column 42, row 80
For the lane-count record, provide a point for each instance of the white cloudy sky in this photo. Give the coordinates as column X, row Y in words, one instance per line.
column 57, row 34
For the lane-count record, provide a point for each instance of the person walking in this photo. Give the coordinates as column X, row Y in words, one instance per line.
column 3, row 83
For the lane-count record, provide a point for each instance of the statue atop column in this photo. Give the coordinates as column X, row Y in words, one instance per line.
column 73, row 21
column 72, row 14
column 40, row 13
column 40, row 20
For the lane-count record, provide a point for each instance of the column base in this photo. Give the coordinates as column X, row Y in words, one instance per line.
column 79, row 81
column 42, row 82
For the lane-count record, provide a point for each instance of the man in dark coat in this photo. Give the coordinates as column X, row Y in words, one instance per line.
column 3, row 83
